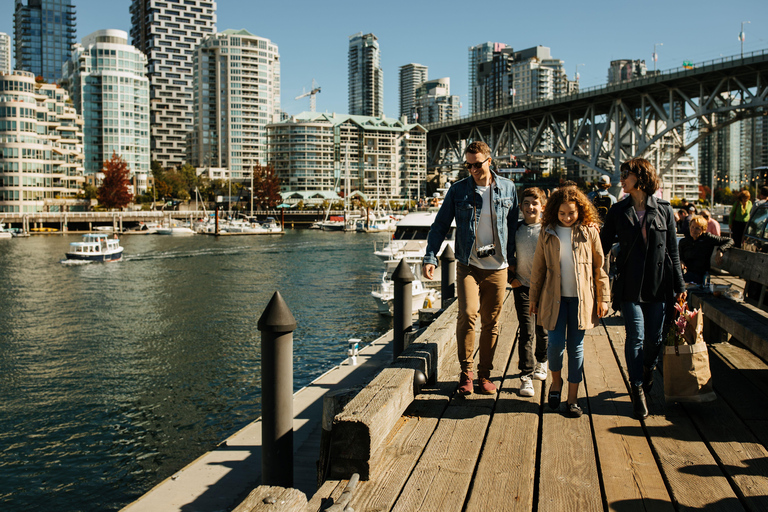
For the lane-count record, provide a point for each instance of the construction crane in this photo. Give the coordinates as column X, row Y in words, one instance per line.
column 314, row 92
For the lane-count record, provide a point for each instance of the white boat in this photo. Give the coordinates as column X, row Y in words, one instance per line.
column 4, row 233
column 384, row 296
column 145, row 228
column 175, row 229
column 377, row 222
column 95, row 247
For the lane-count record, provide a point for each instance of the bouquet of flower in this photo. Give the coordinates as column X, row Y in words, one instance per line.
column 686, row 327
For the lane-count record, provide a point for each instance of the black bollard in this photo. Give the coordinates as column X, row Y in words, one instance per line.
column 403, row 308
column 447, row 275
column 277, row 325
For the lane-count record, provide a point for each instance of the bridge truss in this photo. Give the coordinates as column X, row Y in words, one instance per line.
column 602, row 127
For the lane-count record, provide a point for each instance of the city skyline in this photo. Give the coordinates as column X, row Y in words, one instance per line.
column 313, row 39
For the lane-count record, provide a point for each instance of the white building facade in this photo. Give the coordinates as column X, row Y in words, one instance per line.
column 384, row 159
column 236, row 95
column 5, row 53
column 168, row 32
column 106, row 79
column 41, row 147
column 434, row 102
column 411, row 77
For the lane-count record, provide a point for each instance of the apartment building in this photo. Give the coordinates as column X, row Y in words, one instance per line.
column 41, row 146
column 411, row 77
column 106, row 79
column 168, row 31
column 625, row 70
column 366, row 78
column 5, row 53
column 434, row 102
column 382, row 158
column 477, row 55
column 44, row 31
column 236, row 95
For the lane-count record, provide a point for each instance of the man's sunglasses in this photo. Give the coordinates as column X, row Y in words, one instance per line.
column 476, row 165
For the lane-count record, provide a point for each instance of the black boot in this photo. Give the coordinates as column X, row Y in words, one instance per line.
column 638, row 402
column 647, row 379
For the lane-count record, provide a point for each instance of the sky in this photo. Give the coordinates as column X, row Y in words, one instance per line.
column 313, row 36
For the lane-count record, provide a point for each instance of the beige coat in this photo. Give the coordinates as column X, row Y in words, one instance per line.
column 591, row 279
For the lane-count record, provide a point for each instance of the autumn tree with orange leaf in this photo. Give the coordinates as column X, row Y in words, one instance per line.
column 113, row 191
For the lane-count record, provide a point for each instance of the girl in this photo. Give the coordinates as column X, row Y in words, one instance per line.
column 569, row 287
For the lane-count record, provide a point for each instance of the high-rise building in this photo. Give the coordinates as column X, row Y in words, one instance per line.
column 106, row 79
column 434, row 102
column 366, row 79
column 41, row 146
column 411, row 77
column 168, row 33
column 44, row 31
column 236, row 95
column 5, row 53
column 625, row 70
column 316, row 154
column 477, row 55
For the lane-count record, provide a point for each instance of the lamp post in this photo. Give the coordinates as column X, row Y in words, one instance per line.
column 655, row 56
column 741, row 37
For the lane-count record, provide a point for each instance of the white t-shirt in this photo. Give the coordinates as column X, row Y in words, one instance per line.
column 484, row 235
column 567, row 263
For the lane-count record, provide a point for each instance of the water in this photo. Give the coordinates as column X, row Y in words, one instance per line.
column 114, row 376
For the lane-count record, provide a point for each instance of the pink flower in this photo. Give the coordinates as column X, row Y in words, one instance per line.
column 679, row 307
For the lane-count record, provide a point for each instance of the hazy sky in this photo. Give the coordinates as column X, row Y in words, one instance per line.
column 313, row 36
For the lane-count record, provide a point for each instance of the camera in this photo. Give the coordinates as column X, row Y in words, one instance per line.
column 486, row 250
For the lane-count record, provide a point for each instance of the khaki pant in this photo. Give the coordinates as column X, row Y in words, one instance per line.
column 483, row 291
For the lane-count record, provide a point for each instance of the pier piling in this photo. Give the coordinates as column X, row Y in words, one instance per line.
column 448, row 276
column 277, row 325
column 402, row 315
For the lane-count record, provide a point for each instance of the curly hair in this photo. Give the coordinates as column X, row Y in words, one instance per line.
column 647, row 178
column 587, row 212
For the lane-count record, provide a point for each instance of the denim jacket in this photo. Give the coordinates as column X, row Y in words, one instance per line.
column 461, row 202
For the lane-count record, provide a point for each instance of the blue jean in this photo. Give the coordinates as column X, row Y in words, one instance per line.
column 567, row 332
column 644, row 322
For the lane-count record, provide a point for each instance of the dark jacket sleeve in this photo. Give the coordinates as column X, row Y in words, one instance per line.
column 677, row 271
column 440, row 227
column 512, row 216
column 608, row 232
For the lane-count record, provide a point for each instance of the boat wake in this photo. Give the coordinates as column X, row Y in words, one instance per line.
column 72, row 263
column 165, row 255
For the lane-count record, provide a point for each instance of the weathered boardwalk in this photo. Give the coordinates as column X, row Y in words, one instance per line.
column 480, row 453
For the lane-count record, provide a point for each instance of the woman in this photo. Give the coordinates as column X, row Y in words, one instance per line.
column 740, row 216
column 696, row 251
column 649, row 272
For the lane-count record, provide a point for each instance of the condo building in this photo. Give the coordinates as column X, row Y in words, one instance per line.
column 477, row 55
column 411, row 77
column 41, row 146
column 236, row 95
column 434, row 103
column 382, row 158
column 168, row 32
column 44, row 31
column 625, row 70
column 106, row 79
column 5, row 53
column 366, row 79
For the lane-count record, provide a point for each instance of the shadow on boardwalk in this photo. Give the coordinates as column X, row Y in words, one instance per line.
column 450, row 453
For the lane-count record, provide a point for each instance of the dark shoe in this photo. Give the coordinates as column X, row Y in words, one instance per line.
column 553, row 398
column 647, row 379
column 638, row 402
column 574, row 411
column 465, row 383
column 485, row 386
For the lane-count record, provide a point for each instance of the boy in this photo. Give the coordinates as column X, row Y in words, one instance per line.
column 532, row 365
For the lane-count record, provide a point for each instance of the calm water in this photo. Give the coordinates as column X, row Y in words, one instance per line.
column 114, row 376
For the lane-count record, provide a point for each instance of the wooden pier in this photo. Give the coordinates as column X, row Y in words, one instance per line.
column 507, row 452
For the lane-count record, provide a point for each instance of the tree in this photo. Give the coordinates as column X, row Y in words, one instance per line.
column 266, row 187
column 113, row 191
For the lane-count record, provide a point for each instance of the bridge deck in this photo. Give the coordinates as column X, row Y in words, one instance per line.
column 513, row 453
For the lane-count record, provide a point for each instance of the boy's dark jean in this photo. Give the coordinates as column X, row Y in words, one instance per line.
column 528, row 327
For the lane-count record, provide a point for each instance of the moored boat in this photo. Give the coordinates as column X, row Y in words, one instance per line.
column 95, row 247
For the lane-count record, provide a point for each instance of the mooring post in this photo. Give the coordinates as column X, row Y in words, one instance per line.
column 403, row 306
column 448, row 276
column 277, row 325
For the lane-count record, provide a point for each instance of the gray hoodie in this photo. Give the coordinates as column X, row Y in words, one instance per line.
column 526, row 238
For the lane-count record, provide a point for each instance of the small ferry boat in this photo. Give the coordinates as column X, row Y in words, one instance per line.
column 96, row 247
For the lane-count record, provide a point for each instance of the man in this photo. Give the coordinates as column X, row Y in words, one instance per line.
column 601, row 198
column 762, row 196
column 484, row 206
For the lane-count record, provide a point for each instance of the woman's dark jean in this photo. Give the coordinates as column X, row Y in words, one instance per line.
column 644, row 322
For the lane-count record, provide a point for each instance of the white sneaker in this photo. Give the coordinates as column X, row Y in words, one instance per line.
column 540, row 372
column 526, row 386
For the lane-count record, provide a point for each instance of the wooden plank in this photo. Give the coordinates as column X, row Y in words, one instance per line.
column 568, row 476
column 752, row 367
column 631, row 478
column 271, row 498
column 752, row 266
column 441, row 478
column 327, row 495
column 678, row 447
column 505, row 475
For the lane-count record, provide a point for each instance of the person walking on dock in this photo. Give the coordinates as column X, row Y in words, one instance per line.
column 569, row 286
column 532, row 363
column 484, row 206
column 649, row 271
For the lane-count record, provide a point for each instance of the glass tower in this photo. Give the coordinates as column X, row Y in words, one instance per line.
column 44, row 34
column 366, row 79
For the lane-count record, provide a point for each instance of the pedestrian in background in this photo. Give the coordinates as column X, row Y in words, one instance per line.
column 739, row 217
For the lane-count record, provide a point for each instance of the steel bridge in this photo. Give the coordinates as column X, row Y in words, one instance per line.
column 602, row 126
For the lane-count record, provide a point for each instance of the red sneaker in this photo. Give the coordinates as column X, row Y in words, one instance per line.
column 485, row 386
column 465, row 383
